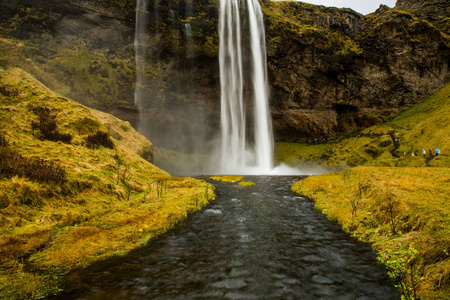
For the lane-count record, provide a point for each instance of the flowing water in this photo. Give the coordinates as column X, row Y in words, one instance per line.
column 238, row 153
column 140, row 46
column 261, row 242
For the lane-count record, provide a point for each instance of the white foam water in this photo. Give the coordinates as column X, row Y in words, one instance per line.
column 140, row 46
column 238, row 155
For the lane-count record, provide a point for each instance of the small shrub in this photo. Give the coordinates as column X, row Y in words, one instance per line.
column 372, row 150
column 9, row 91
column 147, row 154
column 47, row 126
column 28, row 194
column 126, row 180
column 3, row 142
column 391, row 210
column 100, row 138
column 11, row 246
column 45, row 171
column 4, row 200
column 402, row 266
column 37, row 169
column 11, row 162
column 355, row 204
column 161, row 186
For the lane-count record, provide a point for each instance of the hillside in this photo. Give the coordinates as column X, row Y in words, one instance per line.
column 331, row 71
column 125, row 135
column 424, row 126
column 71, row 191
column 402, row 212
column 435, row 11
column 396, row 202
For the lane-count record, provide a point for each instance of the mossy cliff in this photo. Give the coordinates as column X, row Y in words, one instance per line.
column 85, row 50
column 436, row 12
column 73, row 189
column 331, row 70
column 423, row 127
column 396, row 202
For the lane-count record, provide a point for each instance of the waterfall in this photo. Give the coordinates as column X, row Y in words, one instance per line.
column 187, row 30
column 239, row 155
column 172, row 19
column 140, row 46
column 190, row 8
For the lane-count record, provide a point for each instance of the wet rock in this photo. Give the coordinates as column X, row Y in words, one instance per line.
column 322, row 279
column 324, row 290
column 312, row 259
column 290, row 281
column 236, row 296
column 239, row 272
column 230, row 284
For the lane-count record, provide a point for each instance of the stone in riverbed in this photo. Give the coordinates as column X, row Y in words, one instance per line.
column 230, row 284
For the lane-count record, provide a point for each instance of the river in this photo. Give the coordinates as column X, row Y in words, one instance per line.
column 261, row 242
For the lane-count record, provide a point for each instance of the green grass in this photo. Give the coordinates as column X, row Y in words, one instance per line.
column 228, row 178
column 91, row 78
column 397, row 204
column 424, row 126
column 113, row 199
column 403, row 212
column 247, row 183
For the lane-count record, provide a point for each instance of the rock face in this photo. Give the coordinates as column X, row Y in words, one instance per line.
column 432, row 9
column 349, row 72
column 331, row 70
column 435, row 11
column 438, row 6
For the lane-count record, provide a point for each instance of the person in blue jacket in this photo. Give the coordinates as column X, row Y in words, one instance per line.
column 436, row 151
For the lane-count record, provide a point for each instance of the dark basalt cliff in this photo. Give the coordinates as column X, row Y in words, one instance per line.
column 330, row 70
column 334, row 70
column 435, row 11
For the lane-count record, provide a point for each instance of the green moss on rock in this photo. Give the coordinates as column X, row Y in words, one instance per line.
column 247, row 183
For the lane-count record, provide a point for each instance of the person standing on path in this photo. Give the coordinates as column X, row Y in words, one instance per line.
column 424, row 153
column 437, row 151
column 431, row 153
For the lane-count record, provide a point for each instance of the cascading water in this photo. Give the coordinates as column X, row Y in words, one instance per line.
column 187, row 30
column 238, row 155
column 242, row 58
column 140, row 44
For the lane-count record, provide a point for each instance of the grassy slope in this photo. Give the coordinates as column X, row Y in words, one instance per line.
column 403, row 208
column 419, row 200
column 424, row 126
column 78, row 73
column 125, row 135
column 103, row 209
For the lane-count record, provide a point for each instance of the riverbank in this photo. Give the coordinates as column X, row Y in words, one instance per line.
column 74, row 191
column 259, row 242
column 402, row 212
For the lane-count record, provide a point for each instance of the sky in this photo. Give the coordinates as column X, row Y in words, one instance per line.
column 362, row 6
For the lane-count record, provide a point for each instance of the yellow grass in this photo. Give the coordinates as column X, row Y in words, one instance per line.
column 227, row 178
column 247, row 183
column 112, row 202
column 421, row 215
